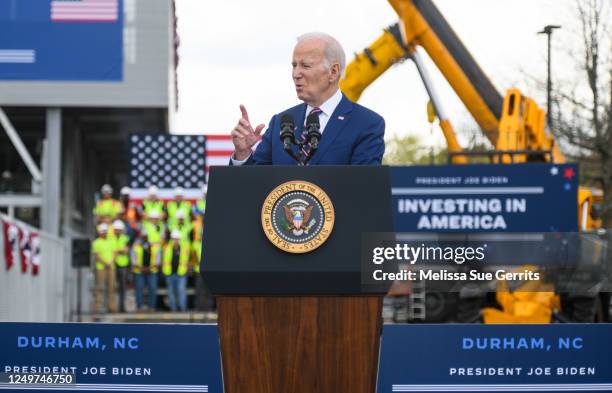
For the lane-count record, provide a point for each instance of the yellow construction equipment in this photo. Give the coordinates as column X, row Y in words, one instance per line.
column 532, row 302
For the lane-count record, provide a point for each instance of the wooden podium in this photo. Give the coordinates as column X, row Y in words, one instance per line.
column 295, row 322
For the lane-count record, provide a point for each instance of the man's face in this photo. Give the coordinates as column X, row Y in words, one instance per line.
column 313, row 80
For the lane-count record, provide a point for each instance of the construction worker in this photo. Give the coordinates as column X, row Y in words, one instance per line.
column 155, row 229
column 152, row 204
column 146, row 259
column 200, row 206
column 179, row 204
column 174, row 266
column 103, row 250
column 122, row 260
column 203, row 299
column 197, row 229
column 130, row 214
column 107, row 208
column 182, row 225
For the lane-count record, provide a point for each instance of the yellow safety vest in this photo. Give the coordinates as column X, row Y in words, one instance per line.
column 138, row 261
column 153, row 205
column 122, row 260
column 184, row 229
column 105, row 248
column 107, row 207
column 185, row 251
column 201, row 206
column 154, row 232
column 173, row 207
column 197, row 248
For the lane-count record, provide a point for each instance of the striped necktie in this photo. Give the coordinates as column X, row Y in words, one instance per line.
column 305, row 145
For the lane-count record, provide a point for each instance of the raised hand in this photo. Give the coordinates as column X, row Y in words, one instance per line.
column 244, row 136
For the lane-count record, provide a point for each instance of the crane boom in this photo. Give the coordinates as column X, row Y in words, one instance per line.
column 379, row 56
column 373, row 61
column 423, row 25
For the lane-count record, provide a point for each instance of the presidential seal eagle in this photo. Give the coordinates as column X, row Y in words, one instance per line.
column 297, row 218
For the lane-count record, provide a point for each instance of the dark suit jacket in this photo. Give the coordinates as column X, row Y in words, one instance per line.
column 353, row 136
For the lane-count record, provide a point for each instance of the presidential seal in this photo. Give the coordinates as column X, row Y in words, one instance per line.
column 297, row 217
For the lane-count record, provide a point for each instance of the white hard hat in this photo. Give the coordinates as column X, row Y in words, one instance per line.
column 107, row 189
column 154, row 214
column 175, row 234
column 119, row 225
column 204, row 188
column 180, row 214
column 126, row 190
column 153, row 190
column 179, row 191
column 102, row 228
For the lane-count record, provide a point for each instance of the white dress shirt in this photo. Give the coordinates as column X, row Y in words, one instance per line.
column 327, row 108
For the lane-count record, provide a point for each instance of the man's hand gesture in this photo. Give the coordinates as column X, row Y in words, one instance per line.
column 244, row 136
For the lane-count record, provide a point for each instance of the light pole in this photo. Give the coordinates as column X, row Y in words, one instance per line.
column 548, row 29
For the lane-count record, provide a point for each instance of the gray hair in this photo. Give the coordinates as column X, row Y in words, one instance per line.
column 333, row 50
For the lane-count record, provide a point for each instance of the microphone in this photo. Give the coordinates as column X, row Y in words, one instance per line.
column 286, row 133
column 312, row 128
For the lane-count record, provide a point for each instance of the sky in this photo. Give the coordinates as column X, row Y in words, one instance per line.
column 236, row 52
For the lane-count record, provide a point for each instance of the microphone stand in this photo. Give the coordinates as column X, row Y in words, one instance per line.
column 312, row 139
column 292, row 154
column 301, row 158
column 288, row 137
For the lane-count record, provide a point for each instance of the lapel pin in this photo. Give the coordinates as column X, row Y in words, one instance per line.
column 340, row 117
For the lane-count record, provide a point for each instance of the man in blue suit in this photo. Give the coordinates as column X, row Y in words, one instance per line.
column 350, row 133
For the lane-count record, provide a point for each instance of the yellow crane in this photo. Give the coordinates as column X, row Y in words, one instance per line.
column 514, row 124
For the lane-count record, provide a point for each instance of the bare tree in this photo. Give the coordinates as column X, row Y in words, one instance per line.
column 583, row 116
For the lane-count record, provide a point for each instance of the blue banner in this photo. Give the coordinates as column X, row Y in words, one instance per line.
column 61, row 40
column 118, row 357
column 450, row 358
column 486, row 198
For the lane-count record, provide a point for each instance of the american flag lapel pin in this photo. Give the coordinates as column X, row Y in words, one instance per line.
column 340, row 117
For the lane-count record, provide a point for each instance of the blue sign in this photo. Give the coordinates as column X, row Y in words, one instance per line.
column 486, row 198
column 118, row 357
column 561, row 357
column 61, row 40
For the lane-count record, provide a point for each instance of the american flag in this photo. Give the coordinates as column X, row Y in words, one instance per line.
column 219, row 149
column 35, row 253
column 167, row 161
column 84, row 10
column 10, row 236
column 25, row 249
column 155, row 159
